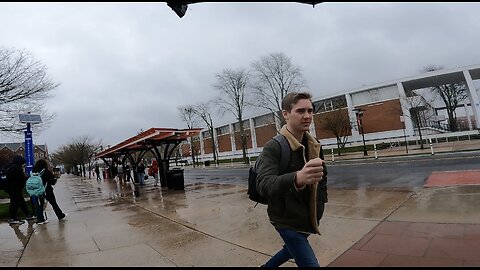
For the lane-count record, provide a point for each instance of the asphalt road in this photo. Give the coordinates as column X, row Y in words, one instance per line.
column 407, row 172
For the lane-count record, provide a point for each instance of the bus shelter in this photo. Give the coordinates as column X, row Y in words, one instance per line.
column 160, row 142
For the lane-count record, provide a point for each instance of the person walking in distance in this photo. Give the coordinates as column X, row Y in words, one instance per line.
column 97, row 173
column 127, row 172
column 49, row 181
column 141, row 173
column 296, row 198
column 153, row 171
column 121, row 175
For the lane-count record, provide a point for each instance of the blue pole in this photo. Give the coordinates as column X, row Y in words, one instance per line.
column 29, row 149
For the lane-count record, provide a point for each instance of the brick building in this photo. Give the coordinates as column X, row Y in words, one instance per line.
column 8, row 150
column 386, row 114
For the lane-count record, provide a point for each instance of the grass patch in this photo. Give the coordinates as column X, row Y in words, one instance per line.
column 4, row 195
column 4, row 210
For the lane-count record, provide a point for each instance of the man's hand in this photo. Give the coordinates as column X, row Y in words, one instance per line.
column 312, row 172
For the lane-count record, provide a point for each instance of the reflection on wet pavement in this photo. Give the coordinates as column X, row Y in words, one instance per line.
column 207, row 224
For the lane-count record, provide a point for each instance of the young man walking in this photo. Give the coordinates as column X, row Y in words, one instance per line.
column 297, row 197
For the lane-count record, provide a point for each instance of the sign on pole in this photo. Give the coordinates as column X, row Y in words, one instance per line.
column 29, row 119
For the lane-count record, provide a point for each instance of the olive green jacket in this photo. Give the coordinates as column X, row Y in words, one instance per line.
column 289, row 207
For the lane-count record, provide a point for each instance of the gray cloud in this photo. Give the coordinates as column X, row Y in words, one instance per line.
column 123, row 67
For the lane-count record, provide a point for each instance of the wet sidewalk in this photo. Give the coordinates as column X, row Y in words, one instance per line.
column 434, row 227
column 217, row 225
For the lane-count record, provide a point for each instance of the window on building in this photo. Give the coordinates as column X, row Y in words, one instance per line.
column 388, row 92
column 246, row 125
column 206, row 134
column 374, row 95
column 339, row 102
column 222, row 130
column 319, row 106
column 263, row 120
column 330, row 104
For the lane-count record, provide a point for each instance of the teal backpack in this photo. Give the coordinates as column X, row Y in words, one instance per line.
column 34, row 185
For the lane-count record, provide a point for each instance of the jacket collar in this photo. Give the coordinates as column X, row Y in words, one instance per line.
column 294, row 143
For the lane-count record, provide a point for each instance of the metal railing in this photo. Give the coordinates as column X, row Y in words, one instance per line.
column 440, row 126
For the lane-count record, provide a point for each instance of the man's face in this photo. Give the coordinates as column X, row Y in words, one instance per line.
column 300, row 117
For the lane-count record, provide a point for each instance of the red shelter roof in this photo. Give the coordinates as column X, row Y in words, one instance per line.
column 149, row 138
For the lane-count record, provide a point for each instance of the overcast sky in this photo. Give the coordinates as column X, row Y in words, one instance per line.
column 123, row 67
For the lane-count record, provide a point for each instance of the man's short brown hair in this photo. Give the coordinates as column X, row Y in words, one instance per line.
column 292, row 98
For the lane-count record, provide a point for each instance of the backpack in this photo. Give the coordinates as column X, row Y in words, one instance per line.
column 3, row 177
column 34, row 184
column 252, row 173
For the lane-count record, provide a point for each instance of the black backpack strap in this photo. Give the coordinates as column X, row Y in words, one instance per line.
column 285, row 152
column 257, row 163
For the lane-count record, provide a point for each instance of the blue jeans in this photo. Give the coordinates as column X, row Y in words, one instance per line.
column 38, row 203
column 141, row 178
column 296, row 247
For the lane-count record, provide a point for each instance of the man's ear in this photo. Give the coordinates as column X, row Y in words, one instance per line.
column 285, row 114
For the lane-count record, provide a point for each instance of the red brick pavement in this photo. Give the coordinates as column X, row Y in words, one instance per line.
column 448, row 178
column 399, row 243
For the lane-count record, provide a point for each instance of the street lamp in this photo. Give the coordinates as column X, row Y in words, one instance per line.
column 402, row 119
column 29, row 119
column 359, row 114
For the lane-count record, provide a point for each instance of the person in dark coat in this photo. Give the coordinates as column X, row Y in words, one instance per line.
column 128, row 175
column 15, row 186
column 97, row 172
column 296, row 198
column 49, row 181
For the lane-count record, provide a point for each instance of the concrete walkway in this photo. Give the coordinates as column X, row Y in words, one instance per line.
column 216, row 225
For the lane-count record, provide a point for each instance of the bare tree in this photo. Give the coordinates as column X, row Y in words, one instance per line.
column 85, row 149
column 421, row 111
column 274, row 77
column 24, row 86
column 91, row 150
column 451, row 94
column 77, row 153
column 202, row 110
column 55, row 159
column 66, row 155
column 188, row 115
column 338, row 123
column 232, row 85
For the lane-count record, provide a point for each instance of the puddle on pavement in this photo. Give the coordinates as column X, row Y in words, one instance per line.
column 15, row 237
column 364, row 203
